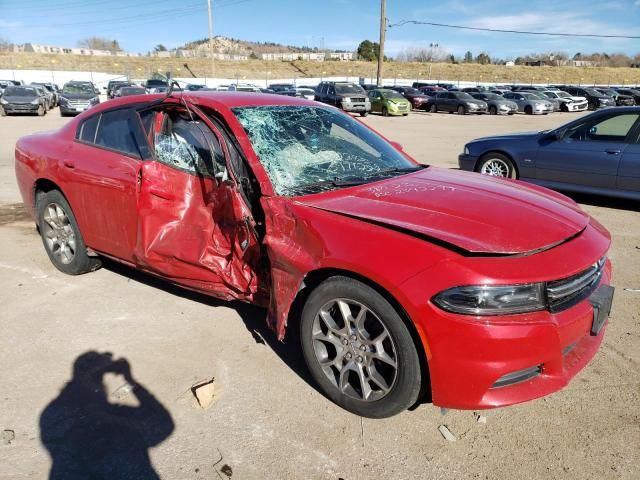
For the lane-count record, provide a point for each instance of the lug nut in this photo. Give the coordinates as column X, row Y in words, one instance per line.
column 363, row 348
column 348, row 356
column 352, row 337
column 359, row 359
column 345, row 341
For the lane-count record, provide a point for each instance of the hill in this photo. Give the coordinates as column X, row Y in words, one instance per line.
column 143, row 67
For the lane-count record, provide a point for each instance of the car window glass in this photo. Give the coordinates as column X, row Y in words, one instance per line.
column 88, row 129
column 188, row 145
column 611, row 129
column 301, row 145
column 116, row 131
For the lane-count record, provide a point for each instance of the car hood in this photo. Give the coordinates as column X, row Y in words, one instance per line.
column 510, row 136
column 78, row 96
column 472, row 212
column 576, row 99
column 16, row 99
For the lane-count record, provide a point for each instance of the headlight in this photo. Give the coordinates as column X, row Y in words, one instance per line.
column 95, row 100
column 492, row 300
column 63, row 100
column 472, row 106
column 35, row 102
column 466, row 150
column 346, row 99
column 3, row 101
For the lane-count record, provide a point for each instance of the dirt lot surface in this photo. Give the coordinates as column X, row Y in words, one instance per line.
column 267, row 421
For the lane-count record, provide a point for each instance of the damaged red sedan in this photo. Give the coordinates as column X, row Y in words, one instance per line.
column 405, row 280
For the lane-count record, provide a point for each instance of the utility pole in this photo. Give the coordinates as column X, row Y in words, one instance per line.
column 213, row 63
column 383, row 27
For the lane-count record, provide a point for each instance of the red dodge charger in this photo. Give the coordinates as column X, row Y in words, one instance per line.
column 406, row 281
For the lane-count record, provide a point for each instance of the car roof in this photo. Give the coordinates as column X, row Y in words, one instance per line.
column 224, row 99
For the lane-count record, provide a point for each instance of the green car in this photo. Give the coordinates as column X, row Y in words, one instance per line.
column 388, row 102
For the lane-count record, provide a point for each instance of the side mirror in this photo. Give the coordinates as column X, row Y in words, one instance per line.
column 593, row 130
column 397, row 146
column 96, row 91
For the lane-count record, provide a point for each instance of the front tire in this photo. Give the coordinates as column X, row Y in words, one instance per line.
column 385, row 112
column 359, row 350
column 40, row 111
column 528, row 110
column 493, row 110
column 433, row 108
column 364, row 114
column 497, row 165
column 61, row 236
column 462, row 110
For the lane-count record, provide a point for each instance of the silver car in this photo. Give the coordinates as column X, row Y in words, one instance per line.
column 530, row 103
column 498, row 105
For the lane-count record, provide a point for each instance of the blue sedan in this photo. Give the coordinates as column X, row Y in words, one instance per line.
column 597, row 154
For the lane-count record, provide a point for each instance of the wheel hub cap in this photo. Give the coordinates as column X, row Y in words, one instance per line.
column 58, row 233
column 495, row 168
column 354, row 349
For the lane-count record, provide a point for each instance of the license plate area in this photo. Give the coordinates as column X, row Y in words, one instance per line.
column 601, row 301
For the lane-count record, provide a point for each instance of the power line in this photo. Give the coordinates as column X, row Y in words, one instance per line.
column 519, row 32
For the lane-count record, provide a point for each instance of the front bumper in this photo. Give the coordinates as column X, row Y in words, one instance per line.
column 467, row 162
column 20, row 108
column 356, row 107
column 469, row 356
column 577, row 107
column 73, row 109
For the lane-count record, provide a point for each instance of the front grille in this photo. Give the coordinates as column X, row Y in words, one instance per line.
column 357, row 99
column 565, row 293
column 78, row 103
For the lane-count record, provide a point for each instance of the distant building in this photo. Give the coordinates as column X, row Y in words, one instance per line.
column 290, row 57
column 203, row 53
column 342, row 56
column 585, row 63
column 50, row 49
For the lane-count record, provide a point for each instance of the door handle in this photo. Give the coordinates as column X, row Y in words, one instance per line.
column 159, row 192
column 69, row 163
column 612, row 151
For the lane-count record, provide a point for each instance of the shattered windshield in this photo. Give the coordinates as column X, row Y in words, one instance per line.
column 306, row 149
column 78, row 89
column 347, row 88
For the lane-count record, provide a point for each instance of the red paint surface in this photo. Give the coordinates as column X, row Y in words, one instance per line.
column 200, row 233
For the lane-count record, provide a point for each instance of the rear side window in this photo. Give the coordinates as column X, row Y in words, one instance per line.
column 88, row 129
column 116, row 132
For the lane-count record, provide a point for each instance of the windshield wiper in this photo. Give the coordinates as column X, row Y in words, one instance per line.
column 381, row 174
column 351, row 181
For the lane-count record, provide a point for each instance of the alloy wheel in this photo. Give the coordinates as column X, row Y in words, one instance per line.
column 495, row 167
column 355, row 350
column 58, row 233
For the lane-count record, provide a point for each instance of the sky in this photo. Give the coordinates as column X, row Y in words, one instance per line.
column 139, row 25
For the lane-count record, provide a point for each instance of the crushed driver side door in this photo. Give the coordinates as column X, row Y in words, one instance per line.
column 194, row 227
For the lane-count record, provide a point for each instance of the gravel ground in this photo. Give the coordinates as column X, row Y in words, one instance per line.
column 267, row 420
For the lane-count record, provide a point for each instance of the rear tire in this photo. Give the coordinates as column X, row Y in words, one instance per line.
column 496, row 165
column 345, row 328
column 61, row 236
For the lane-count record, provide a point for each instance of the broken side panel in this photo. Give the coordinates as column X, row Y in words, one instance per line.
column 294, row 248
column 196, row 233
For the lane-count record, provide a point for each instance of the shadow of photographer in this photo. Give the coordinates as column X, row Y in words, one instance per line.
column 88, row 437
